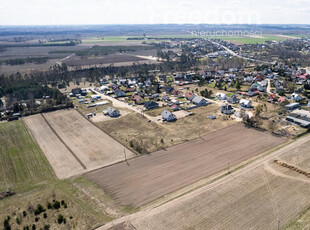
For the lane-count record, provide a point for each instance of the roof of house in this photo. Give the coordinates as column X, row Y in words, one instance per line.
column 165, row 114
column 150, row 103
column 197, row 99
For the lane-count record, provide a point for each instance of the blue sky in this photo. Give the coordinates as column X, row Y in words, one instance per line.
column 62, row 12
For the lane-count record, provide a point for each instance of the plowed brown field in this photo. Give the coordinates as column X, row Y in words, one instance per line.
column 144, row 179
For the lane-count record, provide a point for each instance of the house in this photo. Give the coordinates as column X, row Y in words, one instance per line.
column 174, row 107
column 199, row 101
column 227, row 109
column 189, row 95
column 296, row 97
column 272, row 98
column 188, row 77
column 292, row 106
column 151, row 105
column 282, row 99
column 122, row 81
column 137, row 99
column 112, row 112
column 177, row 93
column 169, row 89
column 119, row 93
column 103, row 88
column 78, row 92
column 131, row 89
column 221, row 96
column 253, row 93
column 167, row 116
column 245, row 103
column 233, row 99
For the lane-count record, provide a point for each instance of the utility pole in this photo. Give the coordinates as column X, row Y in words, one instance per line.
column 278, row 224
column 199, row 131
column 125, row 155
column 228, row 168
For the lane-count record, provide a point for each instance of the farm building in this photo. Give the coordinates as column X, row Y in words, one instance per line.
column 221, row 96
column 112, row 112
column 227, row 109
column 302, row 121
column 95, row 97
column 292, row 106
column 245, row 103
column 167, row 116
column 151, row 105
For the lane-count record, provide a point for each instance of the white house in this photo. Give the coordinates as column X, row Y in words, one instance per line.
column 112, row 112
column 221, row 96
column 296, row 97
column 245, row 103
column 227, row 109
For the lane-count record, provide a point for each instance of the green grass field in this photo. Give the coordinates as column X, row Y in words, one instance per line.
column 23, row 163
column 235, row 39
column 25, row 170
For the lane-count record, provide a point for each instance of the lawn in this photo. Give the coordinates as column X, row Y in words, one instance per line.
column 23, row 164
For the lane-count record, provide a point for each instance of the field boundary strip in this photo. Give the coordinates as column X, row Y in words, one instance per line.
column 70, row 150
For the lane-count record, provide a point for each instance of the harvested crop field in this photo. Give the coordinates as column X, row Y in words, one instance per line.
column 108, row 59
column 59, row 156
column 92, row 146
column 72, row 144
column 144, row 179
column 256, row 197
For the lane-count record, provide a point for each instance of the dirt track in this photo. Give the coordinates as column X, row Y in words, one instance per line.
column 149, row 177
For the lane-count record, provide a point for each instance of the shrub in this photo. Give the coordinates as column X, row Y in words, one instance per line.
column 24, row 213
column 49, row 205
column 18, row 221
column 45, row 215
column 56, row 205
column 46, row 227
column 60, row 219
column 39, row 210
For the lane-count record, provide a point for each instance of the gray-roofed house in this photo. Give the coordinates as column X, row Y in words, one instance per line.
column 199, row 101
column 168, row 116
column 151, row 105
column 112, row 112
